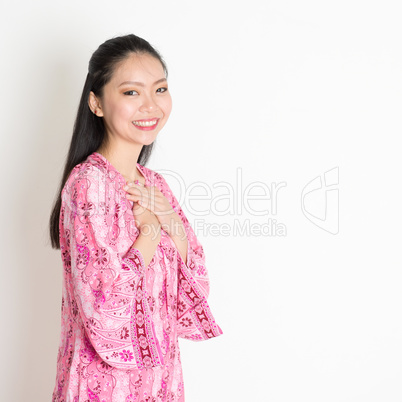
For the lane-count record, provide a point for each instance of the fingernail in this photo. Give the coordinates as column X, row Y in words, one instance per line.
column 136, row 181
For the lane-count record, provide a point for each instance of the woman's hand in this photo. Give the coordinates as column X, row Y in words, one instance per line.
column 153, row 201
column 145, row 220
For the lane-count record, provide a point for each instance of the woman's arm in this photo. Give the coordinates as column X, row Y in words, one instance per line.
column 177, row 232
column 147, row 242
column 102, row 283
column 195, row 319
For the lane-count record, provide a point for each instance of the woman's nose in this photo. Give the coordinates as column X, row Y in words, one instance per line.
column 148, row 103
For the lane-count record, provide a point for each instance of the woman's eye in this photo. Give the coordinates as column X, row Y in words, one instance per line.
column 131, row 92
column 161, row 90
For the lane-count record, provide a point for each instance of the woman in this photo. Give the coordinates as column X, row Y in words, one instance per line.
column 134, row 272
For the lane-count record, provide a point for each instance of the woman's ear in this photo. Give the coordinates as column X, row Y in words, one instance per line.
column 94, row 105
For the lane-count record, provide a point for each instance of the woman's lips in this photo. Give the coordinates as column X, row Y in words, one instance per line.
column 146, row 124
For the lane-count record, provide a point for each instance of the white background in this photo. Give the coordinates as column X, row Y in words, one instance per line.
column 282, row 91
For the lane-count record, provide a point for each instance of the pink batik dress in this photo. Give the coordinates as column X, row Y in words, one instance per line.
column 120, row 319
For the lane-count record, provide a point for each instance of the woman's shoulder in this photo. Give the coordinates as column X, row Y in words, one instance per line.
column 93, row 170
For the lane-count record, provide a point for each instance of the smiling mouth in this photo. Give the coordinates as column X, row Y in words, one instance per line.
column 145, row 123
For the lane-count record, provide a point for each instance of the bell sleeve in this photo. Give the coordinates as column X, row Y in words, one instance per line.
column 194, row 316
column 106, row 289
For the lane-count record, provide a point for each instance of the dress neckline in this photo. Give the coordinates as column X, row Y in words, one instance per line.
column 140, row 168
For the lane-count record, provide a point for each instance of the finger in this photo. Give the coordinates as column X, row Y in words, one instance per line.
column 133, row 197
column 141, row 198
column 136, row 191
column 138, row 209
column 157, row 206
column 149, row 202
column 133, row 191
column 149, row 197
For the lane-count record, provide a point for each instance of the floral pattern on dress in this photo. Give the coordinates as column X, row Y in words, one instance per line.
column 121, row 320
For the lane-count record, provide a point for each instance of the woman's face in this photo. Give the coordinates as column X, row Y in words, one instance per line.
column 136, row 102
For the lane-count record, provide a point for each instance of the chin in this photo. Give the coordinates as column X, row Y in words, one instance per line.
column 148, row 142
column 148, row 139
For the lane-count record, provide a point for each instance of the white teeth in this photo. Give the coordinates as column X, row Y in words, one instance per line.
column 145, row 123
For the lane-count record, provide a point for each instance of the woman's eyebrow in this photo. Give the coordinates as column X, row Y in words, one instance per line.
column 140, row 83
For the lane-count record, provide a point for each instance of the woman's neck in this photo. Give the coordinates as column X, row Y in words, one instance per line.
column 124, row 159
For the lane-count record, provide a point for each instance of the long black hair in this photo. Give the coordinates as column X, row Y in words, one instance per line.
column 89, row 130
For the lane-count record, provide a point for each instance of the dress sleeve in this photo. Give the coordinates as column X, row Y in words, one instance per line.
column 107, row 289
column 195, row 319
